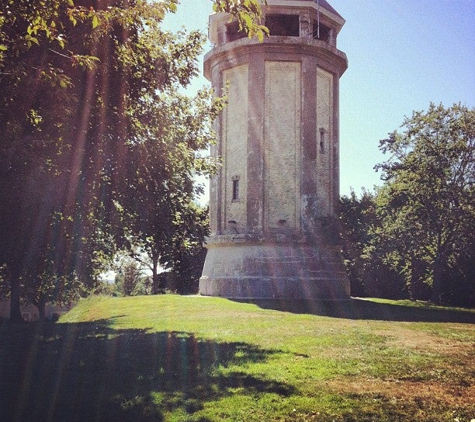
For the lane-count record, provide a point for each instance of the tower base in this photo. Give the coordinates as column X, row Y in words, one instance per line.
column 239, row 267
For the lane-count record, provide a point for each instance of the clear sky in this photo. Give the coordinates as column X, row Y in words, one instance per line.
column 402, row 56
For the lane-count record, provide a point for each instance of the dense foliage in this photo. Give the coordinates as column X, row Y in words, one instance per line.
column 49, row 212
column 96, row 139
column 415, row 234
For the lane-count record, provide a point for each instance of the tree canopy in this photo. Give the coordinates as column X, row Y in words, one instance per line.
column 423, row 217
column 90, row 112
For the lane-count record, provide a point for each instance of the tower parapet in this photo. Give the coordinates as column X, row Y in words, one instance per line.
column 272, row 204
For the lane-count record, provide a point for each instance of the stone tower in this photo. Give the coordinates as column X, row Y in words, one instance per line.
column 272, row 205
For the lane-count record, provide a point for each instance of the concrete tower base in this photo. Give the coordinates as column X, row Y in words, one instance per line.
column 239, row 267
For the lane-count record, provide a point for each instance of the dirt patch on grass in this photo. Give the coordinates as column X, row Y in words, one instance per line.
column 446, row 380
column 420, row 340
column 410, row 394
column 451, row 395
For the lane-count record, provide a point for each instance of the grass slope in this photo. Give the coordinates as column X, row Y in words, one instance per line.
column 172, row 358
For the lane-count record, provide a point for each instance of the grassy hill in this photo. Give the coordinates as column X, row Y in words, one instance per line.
column 172, row 358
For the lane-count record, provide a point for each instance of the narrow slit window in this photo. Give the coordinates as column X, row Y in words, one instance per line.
column 322, row 140
column 235, row 189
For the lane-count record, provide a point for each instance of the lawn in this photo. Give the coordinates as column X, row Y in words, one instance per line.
column 173, row 358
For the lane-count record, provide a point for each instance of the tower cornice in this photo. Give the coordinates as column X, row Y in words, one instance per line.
column 275, row 45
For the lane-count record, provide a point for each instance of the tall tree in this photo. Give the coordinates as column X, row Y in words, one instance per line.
column 78, row 81
column 128, row 276
column 367, row 253
column 40, row 54
column 157, row 203
column 427, row 206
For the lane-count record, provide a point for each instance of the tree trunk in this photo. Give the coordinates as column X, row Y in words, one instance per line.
column 413, row 281
column 155, row 277
column 41, row 305
column 436, row 296
column 15, row 311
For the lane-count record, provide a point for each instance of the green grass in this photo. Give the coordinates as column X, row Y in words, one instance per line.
column 172, row 358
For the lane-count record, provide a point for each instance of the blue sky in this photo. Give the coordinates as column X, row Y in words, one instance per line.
column 402, row 56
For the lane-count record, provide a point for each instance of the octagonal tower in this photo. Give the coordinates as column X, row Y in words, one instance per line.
column 272, row 204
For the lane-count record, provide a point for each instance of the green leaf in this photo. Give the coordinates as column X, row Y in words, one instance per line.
column 32, row 39
column 247, row 19
column 95, row 22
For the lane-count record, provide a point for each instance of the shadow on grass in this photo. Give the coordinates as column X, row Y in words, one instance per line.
column 356, row 308
column 90, row 372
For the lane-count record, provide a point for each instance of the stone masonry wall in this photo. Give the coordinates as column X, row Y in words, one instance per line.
column 235, row 134
column 324, row 131
column 282, row 144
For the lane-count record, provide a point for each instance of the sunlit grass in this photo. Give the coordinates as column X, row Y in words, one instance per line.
column 172, row 358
